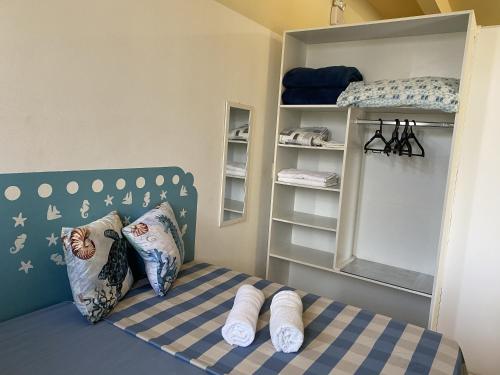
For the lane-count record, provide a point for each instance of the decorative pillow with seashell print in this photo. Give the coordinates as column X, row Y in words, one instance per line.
column 98, row 270
column 157, row 238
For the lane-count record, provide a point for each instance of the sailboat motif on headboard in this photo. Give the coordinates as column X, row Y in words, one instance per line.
column 35, row 206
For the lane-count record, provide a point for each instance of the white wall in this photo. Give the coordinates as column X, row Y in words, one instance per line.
column 470, row 306
column 122, row 83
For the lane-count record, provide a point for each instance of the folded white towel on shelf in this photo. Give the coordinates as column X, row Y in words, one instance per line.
column 301, row 181
column 286, row 326
column 241, row 322
column 236, row 169
column 240, row 133
column 309, row 177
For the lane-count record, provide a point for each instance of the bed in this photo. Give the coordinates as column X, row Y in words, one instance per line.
column 181, row 334
column 178, row 333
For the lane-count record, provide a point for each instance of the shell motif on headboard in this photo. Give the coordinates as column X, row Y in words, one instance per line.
column 35, row 206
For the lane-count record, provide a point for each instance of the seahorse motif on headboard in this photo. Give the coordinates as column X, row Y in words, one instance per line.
column 35, row 206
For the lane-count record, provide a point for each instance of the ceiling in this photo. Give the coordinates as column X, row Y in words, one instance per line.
column 280, row 15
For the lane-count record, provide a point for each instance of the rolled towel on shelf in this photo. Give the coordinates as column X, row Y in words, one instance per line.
column 331, row 76
column 241, row 322
column 286, row 326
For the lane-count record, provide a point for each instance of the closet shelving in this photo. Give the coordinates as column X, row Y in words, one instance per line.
column 375, row 239
column 236, row 151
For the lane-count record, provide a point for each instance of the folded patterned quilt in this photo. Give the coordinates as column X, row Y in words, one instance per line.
column 424, row 92
column 338, row 338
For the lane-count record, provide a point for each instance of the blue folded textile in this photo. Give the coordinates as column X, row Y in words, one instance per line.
column 311, row 95
column 331, row 76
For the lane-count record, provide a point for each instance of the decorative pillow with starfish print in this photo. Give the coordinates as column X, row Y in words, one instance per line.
column 157, row 238
column 98, row 270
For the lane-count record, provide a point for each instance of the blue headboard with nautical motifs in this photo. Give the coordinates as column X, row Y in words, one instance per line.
column 35, row 206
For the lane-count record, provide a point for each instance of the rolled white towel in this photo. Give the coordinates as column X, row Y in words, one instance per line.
column 241, row 322
column 286, row 325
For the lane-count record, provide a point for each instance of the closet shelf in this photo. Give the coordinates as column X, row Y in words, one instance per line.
column 409, row 110
column 235, row 141
column 412, row 281
column 335, row 188
column 340, row 148
column 233, row 205
column 314, row 108
column 303, row 255
column 307, row 220
column 236, row 177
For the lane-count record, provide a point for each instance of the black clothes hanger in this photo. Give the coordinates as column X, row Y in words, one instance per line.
column 377, row 135
column 405, row 148
column 394, row 139
column 412, row 136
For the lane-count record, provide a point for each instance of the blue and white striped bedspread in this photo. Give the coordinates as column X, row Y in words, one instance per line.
column 339, row 338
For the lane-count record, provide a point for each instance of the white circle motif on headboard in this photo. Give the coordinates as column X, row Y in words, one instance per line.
column 12, row 193
column 176, row 179
column 97, row 186
column 44, row 190
column 120, row 184
column 72, row 187
column 160, row 180
column 140, row 182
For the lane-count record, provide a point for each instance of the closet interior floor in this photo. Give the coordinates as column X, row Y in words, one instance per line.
column 400, row 277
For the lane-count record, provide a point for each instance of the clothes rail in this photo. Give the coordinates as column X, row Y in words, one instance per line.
column 402, row 123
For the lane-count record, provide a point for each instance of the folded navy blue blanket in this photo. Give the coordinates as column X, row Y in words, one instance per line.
column 311, row 95
column 331, row 76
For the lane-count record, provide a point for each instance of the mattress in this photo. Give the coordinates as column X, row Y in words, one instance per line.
column 59, row 341
column 338, row 338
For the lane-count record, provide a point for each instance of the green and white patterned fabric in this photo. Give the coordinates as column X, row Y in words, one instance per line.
column 423, row 92
column 98, row 271
column 157, row 238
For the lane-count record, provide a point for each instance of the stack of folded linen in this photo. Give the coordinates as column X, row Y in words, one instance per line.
column 308, row 178
column 317, row 86
column 239, row 134
column 308, row 136
column 236, row 169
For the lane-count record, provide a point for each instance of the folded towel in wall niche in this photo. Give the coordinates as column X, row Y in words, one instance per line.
column 236, row 169
column 241, row 322
column 310, row 96
column 286, row 326
column 331, row 76
column 239, row 134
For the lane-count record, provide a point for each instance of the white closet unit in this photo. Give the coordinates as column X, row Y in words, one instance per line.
column 377, row 239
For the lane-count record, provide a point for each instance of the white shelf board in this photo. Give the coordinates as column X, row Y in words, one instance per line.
column 340, row 148
column 393, row 28
column 303, row 255
column 314, row 108
column 236, row 177
column 330, row 188
column 403, row 110
column 235, row 141
column 307, row 220
column 391, row 276
column 233, row 205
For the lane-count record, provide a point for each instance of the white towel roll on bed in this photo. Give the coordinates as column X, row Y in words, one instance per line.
column 286, row 325
column 241, row 322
